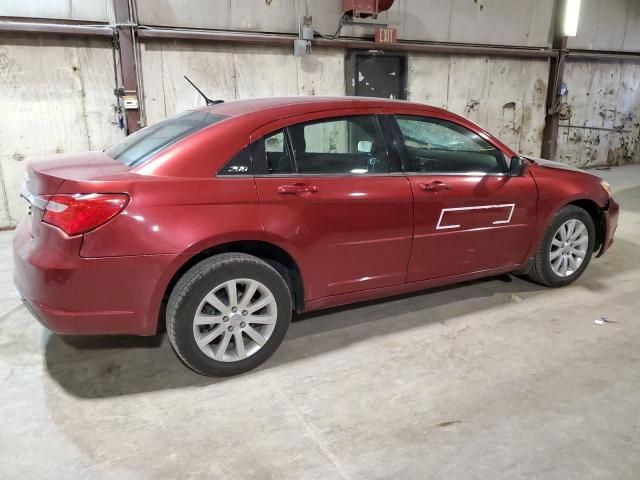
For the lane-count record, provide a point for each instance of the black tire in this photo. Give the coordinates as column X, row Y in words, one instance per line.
column 192, row 288
column 541, row 271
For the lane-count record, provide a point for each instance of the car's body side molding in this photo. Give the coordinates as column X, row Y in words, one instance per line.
column 379, row 293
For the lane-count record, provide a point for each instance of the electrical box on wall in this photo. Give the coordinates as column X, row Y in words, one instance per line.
column 306, row 29
column 130, row 102
column 301, row 48
column 360, row 8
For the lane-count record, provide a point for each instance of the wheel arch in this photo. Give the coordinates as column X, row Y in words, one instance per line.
column 590, row 205
column 595, row 212
column 273, row 254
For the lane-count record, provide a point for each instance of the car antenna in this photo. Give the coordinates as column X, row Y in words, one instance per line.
column 207, row 99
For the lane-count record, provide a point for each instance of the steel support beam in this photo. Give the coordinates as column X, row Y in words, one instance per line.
column 83, row 28
column 126, row 41
column 55, row 28
column 124, row 24
column 556, row 77
column 284, row 40
column 598, row 56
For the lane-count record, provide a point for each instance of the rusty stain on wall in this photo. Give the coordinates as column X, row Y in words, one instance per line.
column 505, row 96
column 471, row 105
column 605, row 102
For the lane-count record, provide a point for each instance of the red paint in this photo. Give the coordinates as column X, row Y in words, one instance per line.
column 478, row 244
column 352, row 237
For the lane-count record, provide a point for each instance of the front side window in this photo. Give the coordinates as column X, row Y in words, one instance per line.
column 346, row 145
column 439, row 146
column 140, row 146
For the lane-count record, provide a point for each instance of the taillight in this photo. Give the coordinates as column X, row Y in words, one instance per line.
column 81, row 213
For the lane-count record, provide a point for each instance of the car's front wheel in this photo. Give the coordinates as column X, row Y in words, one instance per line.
column 228, row 314
column 566, row 248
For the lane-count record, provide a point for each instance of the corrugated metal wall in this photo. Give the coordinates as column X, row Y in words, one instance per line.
column 56, row 95
column 506, row 22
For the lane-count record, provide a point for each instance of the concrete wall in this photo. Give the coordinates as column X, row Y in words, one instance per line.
column 505, row 96
column 604, row 127
column 232, row 72
column 56, row 96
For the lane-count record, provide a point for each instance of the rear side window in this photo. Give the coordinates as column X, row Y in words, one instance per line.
column 439, row 146
column 345, row 145
column 277, row 153
column 140, row 146
column 240, row 164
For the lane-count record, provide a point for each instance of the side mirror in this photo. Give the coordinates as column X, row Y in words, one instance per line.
column 517, row 167
column 365, row 146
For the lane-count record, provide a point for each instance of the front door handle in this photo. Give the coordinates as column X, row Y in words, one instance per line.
column 297, row 189
column 436, row 186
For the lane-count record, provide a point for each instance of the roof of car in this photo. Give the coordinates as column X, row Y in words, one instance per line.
column 296, row 104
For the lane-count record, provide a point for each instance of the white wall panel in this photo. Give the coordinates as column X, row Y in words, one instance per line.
column 522, row 22
column 56, row 96
column 501, row 22
column 232, row 72
column 604, row 24
column 604, row 126
column 504, row 96
column 186, row 13
column 98, row 10
column 608, row 25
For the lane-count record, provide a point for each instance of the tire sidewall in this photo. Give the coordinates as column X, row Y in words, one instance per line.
column 198, row 286
column 568, row 213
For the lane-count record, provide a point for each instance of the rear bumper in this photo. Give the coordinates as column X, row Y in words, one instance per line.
column 610, row 224
column 86, row 296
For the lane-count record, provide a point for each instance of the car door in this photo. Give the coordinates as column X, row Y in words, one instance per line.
column 332, row 196
column 470, row 215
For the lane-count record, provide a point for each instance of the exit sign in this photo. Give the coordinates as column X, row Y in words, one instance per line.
column 386, row 35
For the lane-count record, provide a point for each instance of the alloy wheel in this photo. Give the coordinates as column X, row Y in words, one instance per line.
column 235, row 319
column 568, row 247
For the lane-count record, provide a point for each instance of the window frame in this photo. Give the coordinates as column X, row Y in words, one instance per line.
column 261, row 167
column 408, row 163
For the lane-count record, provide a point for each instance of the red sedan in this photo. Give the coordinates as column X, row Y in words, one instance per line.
column 221, row 221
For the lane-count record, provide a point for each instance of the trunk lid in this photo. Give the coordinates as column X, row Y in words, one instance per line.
column 46, row 175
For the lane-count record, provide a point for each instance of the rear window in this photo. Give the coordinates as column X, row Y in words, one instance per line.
column 138, row 147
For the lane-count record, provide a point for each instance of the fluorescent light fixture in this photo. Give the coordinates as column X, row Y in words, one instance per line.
column 570, row 18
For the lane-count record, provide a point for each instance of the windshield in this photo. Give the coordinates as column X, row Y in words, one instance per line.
column 140, row 146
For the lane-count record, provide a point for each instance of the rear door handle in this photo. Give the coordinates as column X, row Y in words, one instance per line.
column 297, row 189
column 436, row 186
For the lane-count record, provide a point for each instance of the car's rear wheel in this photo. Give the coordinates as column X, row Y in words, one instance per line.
column 566, row 248
column 228, row 314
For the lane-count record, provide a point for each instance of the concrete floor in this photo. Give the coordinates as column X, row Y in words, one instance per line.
column 495, row 379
